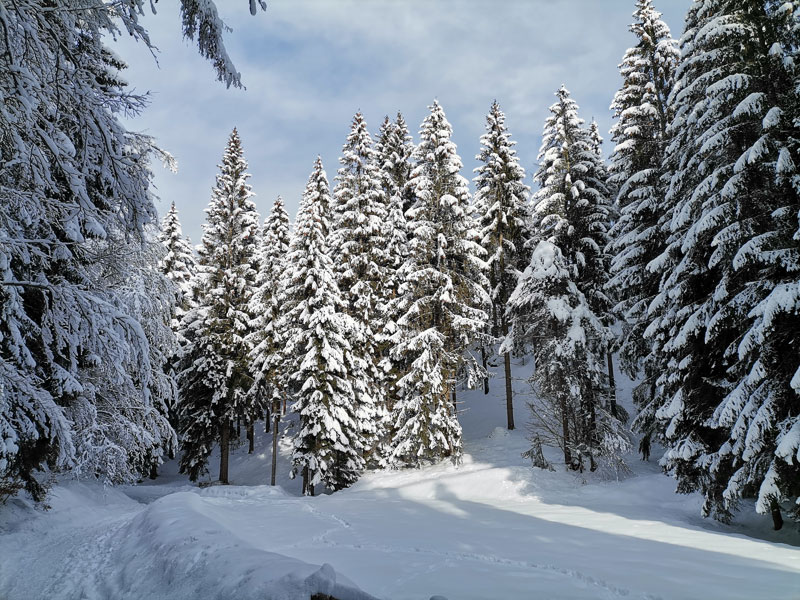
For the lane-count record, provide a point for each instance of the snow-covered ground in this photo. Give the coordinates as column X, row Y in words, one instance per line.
column 492, row 528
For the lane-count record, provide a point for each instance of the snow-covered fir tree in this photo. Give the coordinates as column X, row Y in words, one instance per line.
column 332, row 391
column 501, row 209
column 264, row 337
column 572, row 211
column 74, row 197
column 179, row 264
column 725, row 317
column 358, row 240
column 640, row 135
column 548, row 309
column 215, row 369
column 393, row 157
column 443, row 299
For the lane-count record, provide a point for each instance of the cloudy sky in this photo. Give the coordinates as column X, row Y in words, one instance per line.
column 309, row 65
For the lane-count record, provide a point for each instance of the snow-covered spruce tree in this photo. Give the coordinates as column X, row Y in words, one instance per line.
column 572, row 212
column 329, row 447
column 215, row 369
column 358, row 240
column 549, row 309
column 443, row 299
column 501, row 208
column 74, row 195
column 393, row 155
column 727, row 400
column 178, row 264
column 640, row 136
column 265, row 306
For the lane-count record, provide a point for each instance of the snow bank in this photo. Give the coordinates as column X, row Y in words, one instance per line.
column 174, row 548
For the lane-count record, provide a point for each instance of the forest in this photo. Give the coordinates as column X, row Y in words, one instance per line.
column 675, row 259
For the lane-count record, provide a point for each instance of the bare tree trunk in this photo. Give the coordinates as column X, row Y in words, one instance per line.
column 267, row 420
column 777, row 519
column 612, row 386
column 251, row 438
column 509, row 391
column 565, row 433
column 305, row 480
column 224, row 447
column 485, row 368
column 455, row 402
column 276, row 416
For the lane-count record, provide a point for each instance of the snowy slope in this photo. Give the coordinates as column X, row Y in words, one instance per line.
column 491, row 528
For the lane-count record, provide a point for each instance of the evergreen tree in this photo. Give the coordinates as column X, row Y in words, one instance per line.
column 178, row 264
column 726, row 400
column 393, row 153
column 443, row 300
column 548, row 307
column 329, row 446
column 265, row 305
column 572, row 211
column 358, row 240
column 74, row 197
column 640, row 135
column 215, row 370
column 500, row 206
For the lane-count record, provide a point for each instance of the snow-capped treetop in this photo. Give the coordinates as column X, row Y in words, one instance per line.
column 178, row 264
column 501, row 206
column 394, row 150
column 572, row 208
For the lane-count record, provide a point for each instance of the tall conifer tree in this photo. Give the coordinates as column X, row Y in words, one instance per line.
column 726, row 401
column 572, row 211
column 358, row 239
column 443, row 298
column 215, row 370
column 640, row 134
column 501, row 207
column 329, row 447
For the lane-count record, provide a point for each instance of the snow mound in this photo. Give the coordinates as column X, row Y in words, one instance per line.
column 175, row 546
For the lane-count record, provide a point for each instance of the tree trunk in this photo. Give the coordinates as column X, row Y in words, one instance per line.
column 455, row 402
column 305, row 480
column 509, row 391
column 267, row 420
column 777, row 519
column 251, row 438
column 224, row 447
column 276, row 417
column 612, row 386
column 485, row 368
column 565, row 433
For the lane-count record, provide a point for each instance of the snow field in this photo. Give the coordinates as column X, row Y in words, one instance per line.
column 492, row 527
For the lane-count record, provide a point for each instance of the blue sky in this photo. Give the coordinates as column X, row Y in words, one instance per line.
column 309, row 65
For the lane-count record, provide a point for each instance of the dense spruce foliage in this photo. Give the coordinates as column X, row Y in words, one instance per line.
column 681, row 256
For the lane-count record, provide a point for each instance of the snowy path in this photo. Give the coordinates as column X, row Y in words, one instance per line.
column 484, row 530
column 491, row 529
